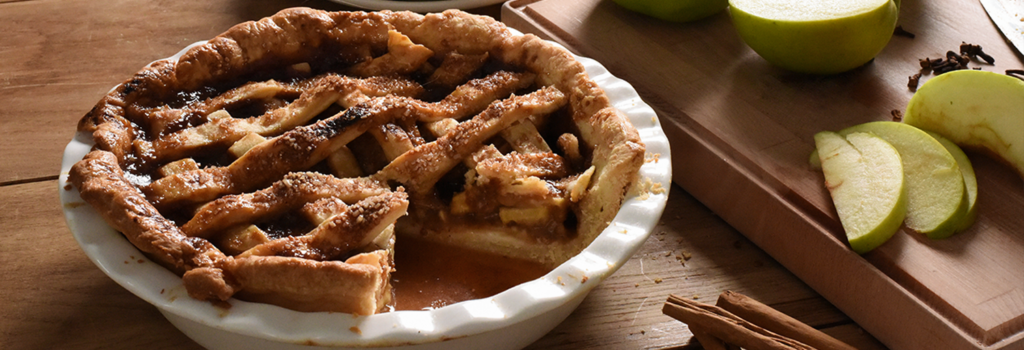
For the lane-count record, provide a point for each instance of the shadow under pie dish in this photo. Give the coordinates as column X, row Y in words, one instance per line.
column 283, row 162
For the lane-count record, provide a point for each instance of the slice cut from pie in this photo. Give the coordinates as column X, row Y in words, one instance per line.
column 278, row 161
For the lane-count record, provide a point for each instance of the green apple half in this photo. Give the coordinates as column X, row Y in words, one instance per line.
column 675, row 10
column 814, row 36
column 937, row 199
column 864, row 175
column 973, row 109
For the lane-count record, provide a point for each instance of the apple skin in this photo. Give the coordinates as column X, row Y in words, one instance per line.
column 817, row 47
column 937, row 199
column 675, row 10
column 976, row 109
column 970, row 179
column 864, row 175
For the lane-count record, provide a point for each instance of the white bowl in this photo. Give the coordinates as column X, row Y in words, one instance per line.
column 510, row 320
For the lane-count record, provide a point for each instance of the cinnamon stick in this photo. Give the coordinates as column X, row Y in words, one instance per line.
column 778, row 322
column 727, row 327
column 708, row 341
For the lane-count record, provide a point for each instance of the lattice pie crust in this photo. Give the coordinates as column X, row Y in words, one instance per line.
column 278, row 161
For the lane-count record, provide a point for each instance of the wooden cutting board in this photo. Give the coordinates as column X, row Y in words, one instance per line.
column 742, row 130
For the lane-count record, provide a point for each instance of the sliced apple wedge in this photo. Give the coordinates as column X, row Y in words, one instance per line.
column 936, row 196
column 974, row 109
column 864, row 175
column 970, row 179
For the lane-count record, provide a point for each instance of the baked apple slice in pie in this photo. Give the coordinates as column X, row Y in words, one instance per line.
column 283, row 160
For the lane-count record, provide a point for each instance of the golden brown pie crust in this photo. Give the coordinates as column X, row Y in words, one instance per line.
column 344, row 264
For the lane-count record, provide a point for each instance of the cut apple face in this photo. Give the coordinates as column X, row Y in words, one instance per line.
column 937, row 199
column 864, row 175
column 973, row 109
column 970, row 179
column 812, row 36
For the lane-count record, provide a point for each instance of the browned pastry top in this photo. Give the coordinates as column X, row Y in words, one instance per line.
column 277, row 161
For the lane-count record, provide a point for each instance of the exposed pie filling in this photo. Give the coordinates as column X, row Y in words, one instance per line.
column 279, row 161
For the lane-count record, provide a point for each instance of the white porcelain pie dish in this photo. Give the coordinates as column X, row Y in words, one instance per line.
column 510, row 320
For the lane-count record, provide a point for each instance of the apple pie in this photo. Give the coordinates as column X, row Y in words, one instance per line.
column 283, row 160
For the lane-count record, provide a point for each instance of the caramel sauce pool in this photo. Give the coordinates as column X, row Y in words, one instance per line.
column 431, row 275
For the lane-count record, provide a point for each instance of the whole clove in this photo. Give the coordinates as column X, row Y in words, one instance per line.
column 1016, row 73
column 913, row 81
column 929, row 64
column 969, row 49
column 972, row 50
column 988, row 59
column 946, row 67
column 896, row 115
column 961, row 60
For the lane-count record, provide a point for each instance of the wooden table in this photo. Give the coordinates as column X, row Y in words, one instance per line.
column 57, row 58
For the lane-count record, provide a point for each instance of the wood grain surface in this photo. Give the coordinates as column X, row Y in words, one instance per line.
column 741, row 133
column 58, row 57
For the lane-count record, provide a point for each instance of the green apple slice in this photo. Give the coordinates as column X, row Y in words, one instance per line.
column 814, row 161
column 973, row 109
column 936, row 195
column 864, row 175
column 970, row 179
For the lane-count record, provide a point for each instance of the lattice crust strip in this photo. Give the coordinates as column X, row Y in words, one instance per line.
column 315, row 97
